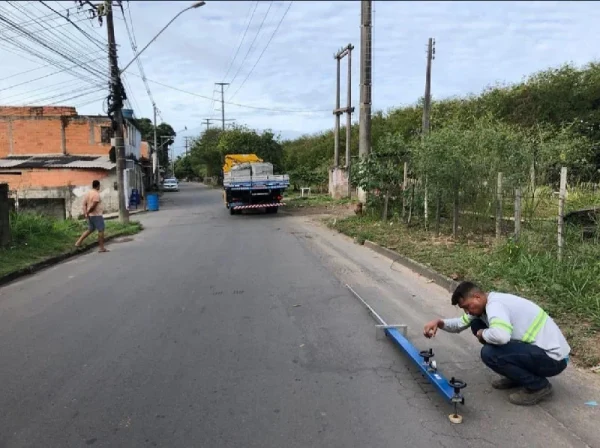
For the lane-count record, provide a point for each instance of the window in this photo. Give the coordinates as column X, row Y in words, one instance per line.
column 106, row 134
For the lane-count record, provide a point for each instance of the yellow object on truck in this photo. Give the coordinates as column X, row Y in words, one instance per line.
column 235, row 159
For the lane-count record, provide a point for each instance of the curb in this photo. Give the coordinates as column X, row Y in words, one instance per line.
column 36, row 267
column 419, row 268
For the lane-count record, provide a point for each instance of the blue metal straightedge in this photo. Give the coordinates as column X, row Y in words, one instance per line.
column 440, row 383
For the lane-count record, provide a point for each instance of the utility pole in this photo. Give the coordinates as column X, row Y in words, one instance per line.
column 336, row 129
column 426, row 121
column 187, row 139
column 427, row 99
column 118, row 95
column 207, row 122
column 364, row 123
column 346, row 51
column 222, row 84
column 155, row 154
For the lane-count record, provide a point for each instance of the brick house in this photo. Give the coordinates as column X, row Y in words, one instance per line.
column 49, row 157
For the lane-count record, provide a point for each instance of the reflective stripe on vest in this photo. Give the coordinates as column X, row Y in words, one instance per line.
column 499, row 323
column 535, row 327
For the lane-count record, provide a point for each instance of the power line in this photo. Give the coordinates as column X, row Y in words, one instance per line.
column 263, row 52
column 94, row 40
column 75, row 51
column 251, row 45
column 242, row 40
column 52, row 47
column 41, row 77
column 237, row 104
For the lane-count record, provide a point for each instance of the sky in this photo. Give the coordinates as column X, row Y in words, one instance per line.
column 278, row 56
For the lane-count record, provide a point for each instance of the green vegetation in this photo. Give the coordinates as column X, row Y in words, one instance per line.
column 36, row 238
column 165, row 136
column 208, row 151
column 569, row 290
column 314, row 200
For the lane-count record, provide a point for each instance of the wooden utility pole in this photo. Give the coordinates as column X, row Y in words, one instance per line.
column 118, row 96
column 222, row 84
column 364, row 121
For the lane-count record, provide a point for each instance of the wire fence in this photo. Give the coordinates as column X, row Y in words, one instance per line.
column 548, row 216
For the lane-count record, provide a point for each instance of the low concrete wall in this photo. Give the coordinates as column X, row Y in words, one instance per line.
column 338, row 183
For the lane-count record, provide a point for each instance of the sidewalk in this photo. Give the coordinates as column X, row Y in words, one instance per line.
column 131, row 212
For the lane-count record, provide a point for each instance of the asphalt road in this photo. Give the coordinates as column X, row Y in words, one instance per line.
column 211, row 330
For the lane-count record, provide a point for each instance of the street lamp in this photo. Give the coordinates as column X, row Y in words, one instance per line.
column 193, row 6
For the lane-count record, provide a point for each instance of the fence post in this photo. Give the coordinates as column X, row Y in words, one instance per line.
column 404, row 186
column 426, row 207
column 499, row 207
column 561, row 211
column 455, row 215
column 517, row 213
column 438, row 201
column 4, row 218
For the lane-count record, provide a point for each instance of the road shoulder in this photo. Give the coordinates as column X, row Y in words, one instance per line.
column 401, row 296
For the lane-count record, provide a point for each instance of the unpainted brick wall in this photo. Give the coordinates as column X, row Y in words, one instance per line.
column 25, row 132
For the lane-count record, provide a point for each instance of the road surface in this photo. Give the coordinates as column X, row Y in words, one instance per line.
column 211, row 330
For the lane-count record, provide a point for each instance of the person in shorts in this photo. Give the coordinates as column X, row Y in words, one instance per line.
column 92, row 210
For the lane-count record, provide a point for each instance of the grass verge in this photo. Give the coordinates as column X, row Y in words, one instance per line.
column 36, row 238
column 569, row 290
column 314, row 200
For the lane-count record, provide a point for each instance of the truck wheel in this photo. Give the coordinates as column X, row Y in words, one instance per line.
column 231, row 211
column 272, row 209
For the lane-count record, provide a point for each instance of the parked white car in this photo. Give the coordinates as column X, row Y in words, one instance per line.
column 171, row 185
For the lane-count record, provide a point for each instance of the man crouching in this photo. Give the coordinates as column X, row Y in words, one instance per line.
column 520, row 341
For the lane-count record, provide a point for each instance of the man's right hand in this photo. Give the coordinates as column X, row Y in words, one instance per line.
column 431, row 328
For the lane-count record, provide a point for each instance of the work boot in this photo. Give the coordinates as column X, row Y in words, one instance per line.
column 530, row 397
column 504, row 384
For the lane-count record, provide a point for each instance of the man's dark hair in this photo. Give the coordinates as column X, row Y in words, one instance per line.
column 96, row 184
column 463, row 291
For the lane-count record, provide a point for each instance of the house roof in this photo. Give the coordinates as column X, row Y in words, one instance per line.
column 80, row 162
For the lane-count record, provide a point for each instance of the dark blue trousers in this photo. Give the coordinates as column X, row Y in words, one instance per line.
column 526, row 364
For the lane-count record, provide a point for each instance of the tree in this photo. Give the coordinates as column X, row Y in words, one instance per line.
column 205, row 152
column 162, row 130
column 243, row 140
column 183, row 168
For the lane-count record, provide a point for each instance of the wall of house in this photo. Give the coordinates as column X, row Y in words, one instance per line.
column 63, row 184
column 52, row 130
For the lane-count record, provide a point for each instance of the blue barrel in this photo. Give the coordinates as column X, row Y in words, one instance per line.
column 152, row 202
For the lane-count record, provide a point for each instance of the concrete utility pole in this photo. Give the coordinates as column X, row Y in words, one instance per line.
column 427, row 99
column 364, row 123
column 155, row 153
column 187, row 144
column 207, row 121
column 117, row 103
column 222, row 84
column 337, row 175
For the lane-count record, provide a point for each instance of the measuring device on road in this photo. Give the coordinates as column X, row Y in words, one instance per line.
column 450, row 389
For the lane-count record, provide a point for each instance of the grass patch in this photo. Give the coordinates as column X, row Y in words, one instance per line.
column 570, row 290
column 36, row 238
column 294, row 200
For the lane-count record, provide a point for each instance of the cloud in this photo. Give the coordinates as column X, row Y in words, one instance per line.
column 477, row 44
